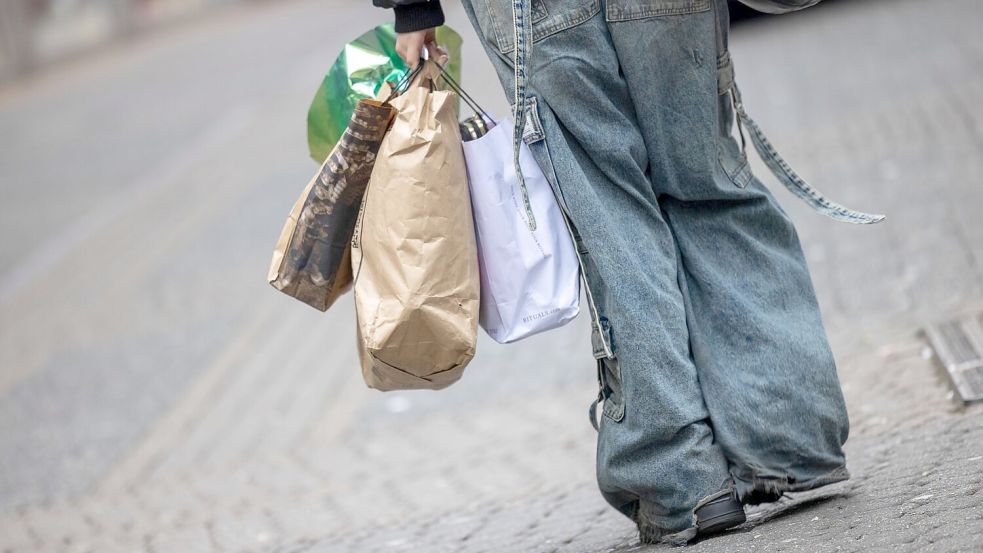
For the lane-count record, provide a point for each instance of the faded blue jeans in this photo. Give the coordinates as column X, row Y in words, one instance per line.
column 714, row 367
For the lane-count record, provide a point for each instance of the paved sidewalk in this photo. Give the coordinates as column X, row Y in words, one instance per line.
column 156, row 395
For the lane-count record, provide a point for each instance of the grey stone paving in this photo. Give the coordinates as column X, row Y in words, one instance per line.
column 156, row 395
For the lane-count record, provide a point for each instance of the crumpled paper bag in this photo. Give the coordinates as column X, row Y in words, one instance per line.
column 414, row 253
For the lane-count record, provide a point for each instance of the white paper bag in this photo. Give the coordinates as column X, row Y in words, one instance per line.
column 530, row 280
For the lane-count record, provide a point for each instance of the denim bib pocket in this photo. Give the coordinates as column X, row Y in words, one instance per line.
column 628, row 10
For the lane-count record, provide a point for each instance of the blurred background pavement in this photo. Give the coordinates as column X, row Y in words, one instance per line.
column 157, row 395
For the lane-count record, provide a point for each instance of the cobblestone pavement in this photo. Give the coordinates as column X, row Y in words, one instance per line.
column 158, row 396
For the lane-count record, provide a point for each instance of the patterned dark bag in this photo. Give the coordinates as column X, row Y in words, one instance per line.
column 312, row 259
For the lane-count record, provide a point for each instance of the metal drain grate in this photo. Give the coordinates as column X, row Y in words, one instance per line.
column 958, row 345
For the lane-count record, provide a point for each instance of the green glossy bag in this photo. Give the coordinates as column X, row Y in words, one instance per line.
column 358, row 73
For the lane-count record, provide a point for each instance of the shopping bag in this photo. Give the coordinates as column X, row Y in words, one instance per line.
column 312, row 258
column 530, row 279
column 360, row 70
column 413, row 252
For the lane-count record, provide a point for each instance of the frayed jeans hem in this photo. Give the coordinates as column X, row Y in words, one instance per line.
column 765, row 486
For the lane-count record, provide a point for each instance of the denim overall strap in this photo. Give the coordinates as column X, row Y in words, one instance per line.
column 522, row 29
column 775, row 162
column 784, row 173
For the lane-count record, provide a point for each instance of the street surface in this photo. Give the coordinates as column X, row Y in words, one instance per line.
column 158, row 396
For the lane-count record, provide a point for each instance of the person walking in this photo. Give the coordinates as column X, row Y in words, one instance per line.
column 717, row 385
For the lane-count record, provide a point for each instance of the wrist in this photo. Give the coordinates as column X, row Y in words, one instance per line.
column 418, row 16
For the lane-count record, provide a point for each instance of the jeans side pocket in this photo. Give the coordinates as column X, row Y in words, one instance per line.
column 612, row 391
column 733, row 161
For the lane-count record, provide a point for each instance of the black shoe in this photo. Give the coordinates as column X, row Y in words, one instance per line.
column 719, row 514
column 757, row 497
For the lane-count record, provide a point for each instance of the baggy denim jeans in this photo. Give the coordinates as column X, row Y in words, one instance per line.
column 713, row 364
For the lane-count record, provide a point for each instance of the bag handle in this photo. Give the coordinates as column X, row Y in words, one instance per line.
column 404, row 83
column 453, row 84
column 407, row 79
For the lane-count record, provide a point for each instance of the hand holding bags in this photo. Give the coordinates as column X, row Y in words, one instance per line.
column 311, row 261
column 530, row 279
column 360, row 67
column 412, row 246
column 414, row 253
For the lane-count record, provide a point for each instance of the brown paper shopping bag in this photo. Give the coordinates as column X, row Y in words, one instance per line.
column 312, row 258
column 413, row 253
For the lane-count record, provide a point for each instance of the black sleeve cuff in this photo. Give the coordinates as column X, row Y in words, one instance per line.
column 418, row 16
